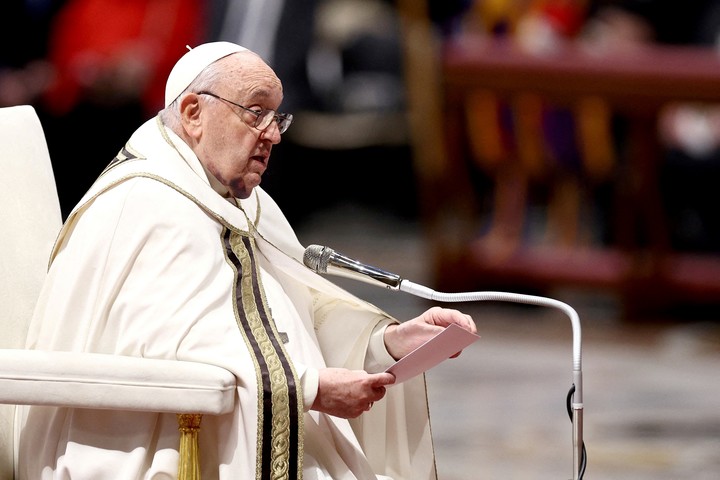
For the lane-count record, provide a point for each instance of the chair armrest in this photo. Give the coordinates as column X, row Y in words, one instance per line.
column 101, row 381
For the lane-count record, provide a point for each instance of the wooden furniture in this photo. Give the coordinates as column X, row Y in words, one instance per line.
column 476, row 189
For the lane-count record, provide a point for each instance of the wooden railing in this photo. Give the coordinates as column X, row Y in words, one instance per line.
column 477, row 187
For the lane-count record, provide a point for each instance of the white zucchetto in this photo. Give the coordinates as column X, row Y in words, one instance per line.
column 192, row 63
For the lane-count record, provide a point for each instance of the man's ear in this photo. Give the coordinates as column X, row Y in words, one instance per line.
column 190, row 114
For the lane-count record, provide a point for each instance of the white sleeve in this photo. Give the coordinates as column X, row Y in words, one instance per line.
column 378, row 359
column 309, row 383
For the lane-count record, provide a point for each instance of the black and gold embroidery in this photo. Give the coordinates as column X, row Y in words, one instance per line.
column 280, row 436
column 124, row 155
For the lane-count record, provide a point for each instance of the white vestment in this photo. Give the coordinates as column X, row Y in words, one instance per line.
column 155, row 263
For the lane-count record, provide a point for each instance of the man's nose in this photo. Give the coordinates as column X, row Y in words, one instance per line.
column 272, row 133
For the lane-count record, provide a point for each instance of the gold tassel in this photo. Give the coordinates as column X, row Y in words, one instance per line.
column 189, row 462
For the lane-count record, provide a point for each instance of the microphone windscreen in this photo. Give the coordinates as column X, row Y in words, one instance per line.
column 317, row 258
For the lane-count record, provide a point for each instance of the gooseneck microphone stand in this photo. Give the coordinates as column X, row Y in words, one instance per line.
column 325, row 260
column 575, row 397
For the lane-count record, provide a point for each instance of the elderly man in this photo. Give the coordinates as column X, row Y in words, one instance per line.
column 175, row 252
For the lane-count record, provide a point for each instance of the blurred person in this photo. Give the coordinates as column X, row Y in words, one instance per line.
column 542, row 172
column 548, row 24
column 177, row 252
column 690, row 133
column 534, row 18
column 110, row 59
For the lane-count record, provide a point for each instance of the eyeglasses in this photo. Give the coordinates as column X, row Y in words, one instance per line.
column 263, row 118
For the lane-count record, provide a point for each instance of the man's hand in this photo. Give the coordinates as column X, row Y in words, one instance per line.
column 348, row 393
column 404, row 338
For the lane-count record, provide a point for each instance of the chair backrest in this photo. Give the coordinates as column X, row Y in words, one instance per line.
column 30, row 220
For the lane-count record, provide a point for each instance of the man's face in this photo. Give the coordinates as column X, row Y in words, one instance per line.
column 230, row 147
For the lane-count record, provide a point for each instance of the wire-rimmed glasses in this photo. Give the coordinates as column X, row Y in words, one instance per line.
column 263, row 118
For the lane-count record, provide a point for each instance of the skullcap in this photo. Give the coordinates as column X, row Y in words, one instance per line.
column 192, row 63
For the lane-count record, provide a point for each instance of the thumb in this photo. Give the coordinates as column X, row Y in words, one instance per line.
column 382, row 379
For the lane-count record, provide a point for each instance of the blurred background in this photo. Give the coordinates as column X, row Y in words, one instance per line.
column 564, row 148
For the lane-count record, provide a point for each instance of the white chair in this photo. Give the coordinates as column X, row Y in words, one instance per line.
column 30, row 219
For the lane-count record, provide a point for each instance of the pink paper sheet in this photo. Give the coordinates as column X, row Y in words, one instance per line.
column 436, row 350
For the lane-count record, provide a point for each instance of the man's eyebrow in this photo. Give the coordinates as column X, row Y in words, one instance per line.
column 259, row 93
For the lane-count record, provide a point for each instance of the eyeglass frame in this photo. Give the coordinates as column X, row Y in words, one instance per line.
column 283, row 120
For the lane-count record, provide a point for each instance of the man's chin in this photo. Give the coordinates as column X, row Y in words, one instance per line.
column 244, row 192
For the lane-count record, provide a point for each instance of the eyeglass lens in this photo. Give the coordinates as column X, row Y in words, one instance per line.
column 266, row 117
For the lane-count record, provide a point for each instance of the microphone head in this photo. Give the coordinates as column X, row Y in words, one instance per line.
column 317, row 258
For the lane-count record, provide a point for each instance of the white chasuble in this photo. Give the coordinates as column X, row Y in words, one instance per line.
column 155, row 263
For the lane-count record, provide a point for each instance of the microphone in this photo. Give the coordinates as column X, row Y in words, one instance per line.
column 322, row 259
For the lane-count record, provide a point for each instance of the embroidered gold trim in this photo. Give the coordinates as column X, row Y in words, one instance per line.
column 281, row 414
